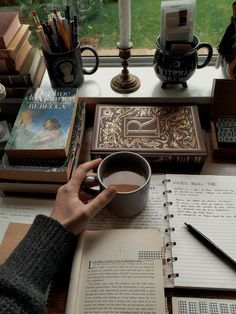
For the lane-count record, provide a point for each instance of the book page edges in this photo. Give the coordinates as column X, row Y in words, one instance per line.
column 75, row 276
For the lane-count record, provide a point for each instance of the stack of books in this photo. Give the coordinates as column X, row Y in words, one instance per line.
column 44, row 144
column 21, row 64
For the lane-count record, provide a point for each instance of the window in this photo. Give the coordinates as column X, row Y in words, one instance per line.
column 99, row 22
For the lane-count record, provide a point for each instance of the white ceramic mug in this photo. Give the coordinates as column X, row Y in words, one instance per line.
column 131, row 174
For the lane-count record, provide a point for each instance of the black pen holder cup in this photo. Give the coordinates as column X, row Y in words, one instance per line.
column 65, row 69
column 177, row 66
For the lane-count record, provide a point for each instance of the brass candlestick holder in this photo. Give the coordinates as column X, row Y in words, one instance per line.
column 125, row 82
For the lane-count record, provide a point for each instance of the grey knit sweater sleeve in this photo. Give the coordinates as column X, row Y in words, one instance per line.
column 25, row 276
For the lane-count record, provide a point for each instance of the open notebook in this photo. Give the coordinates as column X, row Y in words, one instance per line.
column 206, row 202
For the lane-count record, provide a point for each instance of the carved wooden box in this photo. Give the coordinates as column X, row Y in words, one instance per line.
column 166, row 135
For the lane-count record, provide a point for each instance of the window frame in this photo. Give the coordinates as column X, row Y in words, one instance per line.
column 146, row 61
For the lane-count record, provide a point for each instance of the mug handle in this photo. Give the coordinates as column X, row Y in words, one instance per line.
column 88, row 184
column 94, row 69
column 209, row 55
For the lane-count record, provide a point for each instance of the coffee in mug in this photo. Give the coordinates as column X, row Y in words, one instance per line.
column 125, row 178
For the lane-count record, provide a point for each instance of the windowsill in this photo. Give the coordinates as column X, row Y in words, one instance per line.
column 96, row 87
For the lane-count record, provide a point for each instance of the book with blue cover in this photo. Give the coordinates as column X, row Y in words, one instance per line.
column 44, row 124
column 32, row 172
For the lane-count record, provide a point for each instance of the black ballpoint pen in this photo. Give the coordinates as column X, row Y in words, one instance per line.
column 212, row 246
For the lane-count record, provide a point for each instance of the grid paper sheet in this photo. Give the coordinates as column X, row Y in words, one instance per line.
column 203, row 306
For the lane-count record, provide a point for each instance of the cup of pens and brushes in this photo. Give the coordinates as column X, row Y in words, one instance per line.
column 63, row 54
column 177, row 61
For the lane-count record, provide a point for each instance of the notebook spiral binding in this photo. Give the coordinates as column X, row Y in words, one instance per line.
column 173, row 275
column 170, row 243
column 168, row 216
column 170, row 259
column 166, row 192
column 165, row 180
column 167, row 204
column 169, row 229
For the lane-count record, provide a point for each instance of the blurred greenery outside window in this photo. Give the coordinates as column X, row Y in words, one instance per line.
column 99, row 21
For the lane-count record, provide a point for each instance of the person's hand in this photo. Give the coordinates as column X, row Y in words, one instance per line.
column 69, row 210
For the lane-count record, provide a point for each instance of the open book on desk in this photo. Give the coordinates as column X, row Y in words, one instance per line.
column 117, row 271
column 206, row 202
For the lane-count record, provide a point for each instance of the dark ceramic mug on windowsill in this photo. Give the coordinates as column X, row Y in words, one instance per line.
column 175, row 65
column 66, row 69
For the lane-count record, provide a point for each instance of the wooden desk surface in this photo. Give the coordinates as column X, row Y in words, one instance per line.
column 57, row 299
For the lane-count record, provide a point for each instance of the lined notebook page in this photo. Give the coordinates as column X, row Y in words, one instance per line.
column 209, row 204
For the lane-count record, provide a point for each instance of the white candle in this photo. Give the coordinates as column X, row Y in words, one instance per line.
column 125, row 24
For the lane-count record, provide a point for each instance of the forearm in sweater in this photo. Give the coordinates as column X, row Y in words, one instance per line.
column 25, row 276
